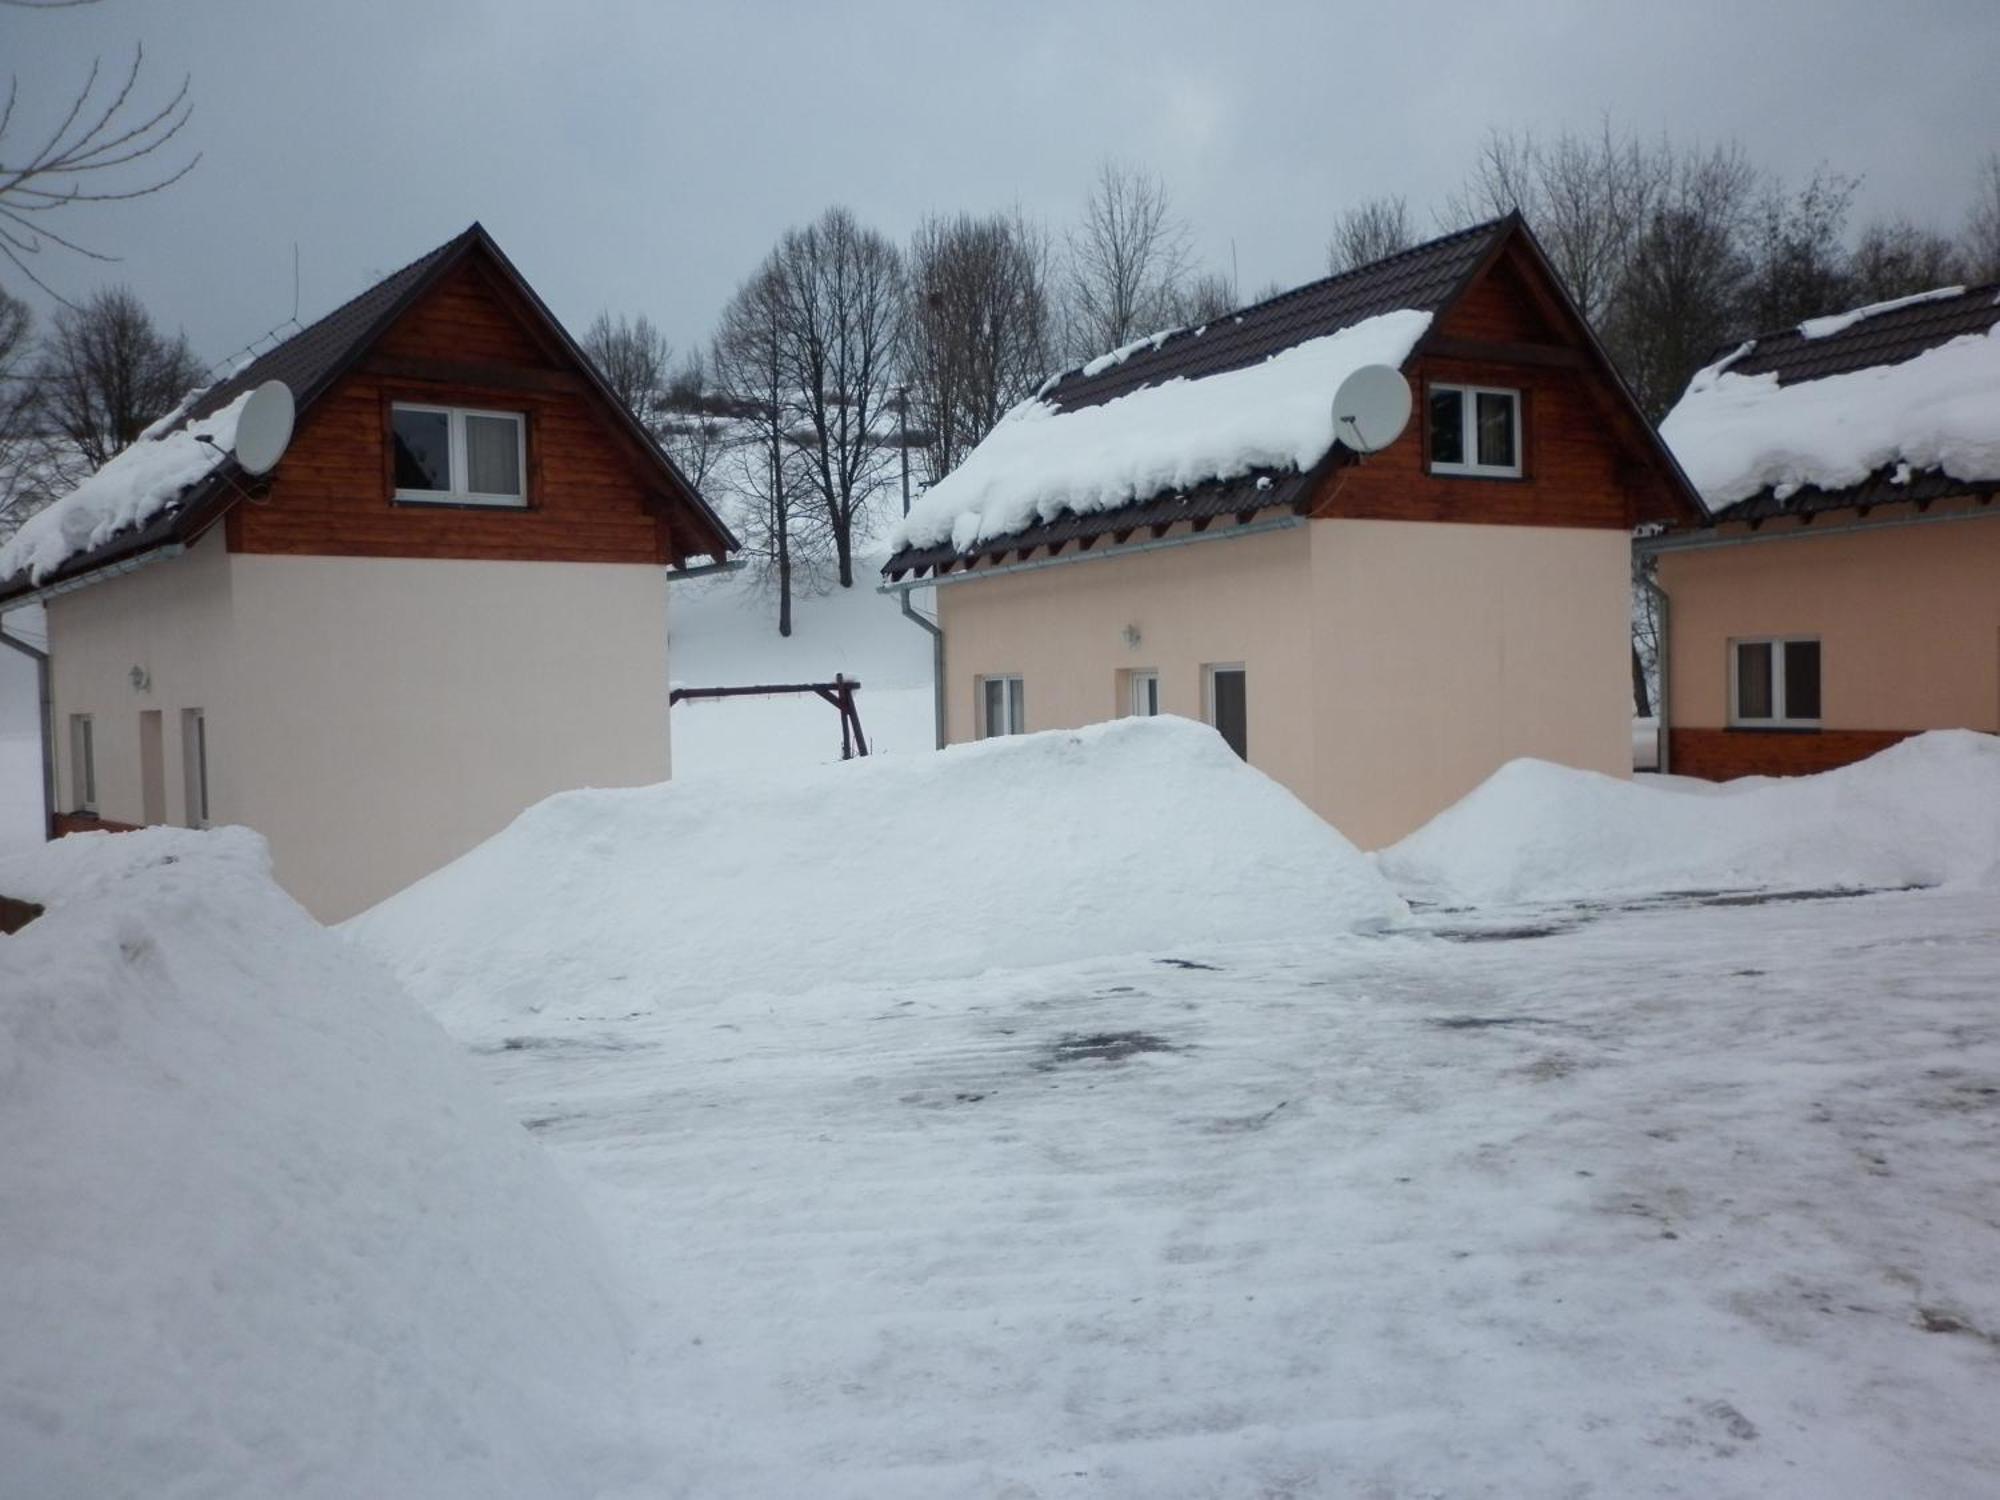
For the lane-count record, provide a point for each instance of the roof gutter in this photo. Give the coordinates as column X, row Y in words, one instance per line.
column 1708, row 540
column 117, row 569
column 1130, row 549
column 706, row 570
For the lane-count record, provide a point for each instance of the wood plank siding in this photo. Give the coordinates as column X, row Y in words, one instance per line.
column 463, row 344
column 1580, row 464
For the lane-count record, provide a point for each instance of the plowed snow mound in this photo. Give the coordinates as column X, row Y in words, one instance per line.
column 265, row 1233
column 1923, row 812
column 1135, row 836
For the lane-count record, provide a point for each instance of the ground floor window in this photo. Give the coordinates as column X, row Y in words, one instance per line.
column 82, row 764
column 1003, row 707
column 1774, row 682
column 1143, row 694
column 194, row 756
column 1228, row 704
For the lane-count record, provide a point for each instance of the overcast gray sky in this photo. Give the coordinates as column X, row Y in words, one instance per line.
column 642, row 157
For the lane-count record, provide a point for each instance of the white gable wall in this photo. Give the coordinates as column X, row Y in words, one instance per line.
column 373, row 718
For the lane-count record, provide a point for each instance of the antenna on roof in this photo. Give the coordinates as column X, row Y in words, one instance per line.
column 1371, row 408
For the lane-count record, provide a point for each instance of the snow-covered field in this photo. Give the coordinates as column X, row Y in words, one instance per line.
column 1690, row 1201
column 941, row 1126
column 724, row 634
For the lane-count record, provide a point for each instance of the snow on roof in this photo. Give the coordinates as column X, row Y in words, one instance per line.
column 1737, row 435
column 1041, row 461
column 128, row 491
column 1124, row 352
column 1827, row 327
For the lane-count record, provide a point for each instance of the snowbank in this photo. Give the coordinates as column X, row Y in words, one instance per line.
column 1042, row 461
column 265, row 1232
column 1923, row 812
column 128, row 491
column 1133, row 836
column 1737, row 435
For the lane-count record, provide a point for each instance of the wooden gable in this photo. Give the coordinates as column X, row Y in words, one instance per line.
column 470, row 340
column 1588, row 459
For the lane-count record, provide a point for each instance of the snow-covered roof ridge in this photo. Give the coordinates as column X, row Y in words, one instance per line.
column 1777, row 415
column 1042, row 460
column 1833, row 323
column 131, row 489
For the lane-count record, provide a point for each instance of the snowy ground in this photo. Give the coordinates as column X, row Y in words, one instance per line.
column 1685, row 1200
column 724, row 634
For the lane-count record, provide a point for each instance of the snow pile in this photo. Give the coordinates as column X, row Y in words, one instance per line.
column 1737, row 435
column 1132, row 836
column 1041, row 461
column 1827, row 327
column 266, row 1233
column 131, row 489
column 1923, row 812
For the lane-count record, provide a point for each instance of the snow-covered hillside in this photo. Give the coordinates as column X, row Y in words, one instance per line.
column 724, row 634
column 265, row 1232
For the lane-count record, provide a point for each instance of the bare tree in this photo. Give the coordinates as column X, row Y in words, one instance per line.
column 1798, row 262
column 1203, row 298
column 1894, row 257
column 980, row 328
column 693, row 423
column 20, row 493
column 841, row 306
column 1586, row 198
column 1982, row 223
column 104, row 149
column 751, row 370
column 634, row 358
column 1683, row 287
column 107, row 373
column 1368, row 231
column 1126, row 261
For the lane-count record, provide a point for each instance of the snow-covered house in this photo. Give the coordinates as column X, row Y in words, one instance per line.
column 447, row 601
column 1173, row 528
column 1843, row 590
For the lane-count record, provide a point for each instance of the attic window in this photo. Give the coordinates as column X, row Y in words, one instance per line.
column 1475, row 430
column 448, row 455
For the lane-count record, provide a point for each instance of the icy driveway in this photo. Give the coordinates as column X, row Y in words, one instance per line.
column 1697, row 1202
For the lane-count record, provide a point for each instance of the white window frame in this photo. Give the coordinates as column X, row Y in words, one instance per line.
column 1468, row 416
column 455, row 429
column 83, row 763
column 1780, row 695
column 195, row 767
column 1142, row 693
column 1011, row 681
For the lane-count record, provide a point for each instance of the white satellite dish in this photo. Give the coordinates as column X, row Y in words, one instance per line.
column 264, row 427
column 1371, row 408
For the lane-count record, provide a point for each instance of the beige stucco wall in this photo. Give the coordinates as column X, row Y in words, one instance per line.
column 1908, row 619
column 1391, row 665
column 373, row 718
column 1447, row 650
column 1062, row 630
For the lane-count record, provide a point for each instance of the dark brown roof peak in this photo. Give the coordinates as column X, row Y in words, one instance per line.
column 1423, row 278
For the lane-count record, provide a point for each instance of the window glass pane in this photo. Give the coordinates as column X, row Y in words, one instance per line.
column 1496, row 429
column 492, row 455
column 1753, row 680
column 1802, row 679
column 423, row 449
column 996, row 707
column 1017, row 717
column 1232, row 709
column 1447, row 427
